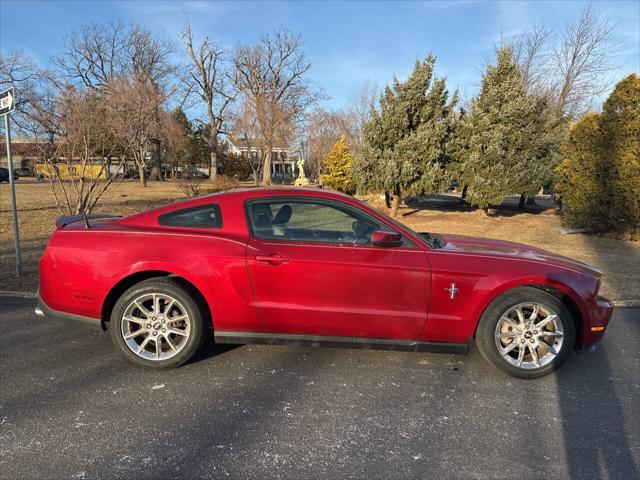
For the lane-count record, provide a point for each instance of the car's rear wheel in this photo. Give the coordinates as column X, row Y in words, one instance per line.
column 157, row 323
column 526, row 332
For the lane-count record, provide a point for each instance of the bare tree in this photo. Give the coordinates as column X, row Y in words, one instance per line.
column 322, row 130
column 572, row 72
column 582, row 62
column 360, row 109
column 19, row 71
column 213, row 84
column 93, row 55
column 531, row 52
column 97, row 54
column 247, row 125
column 32, row 88
column 247, row 130
column 133, row 102
column 76, row 161
column 149, row 58
column 71, row 127
column 271, row 76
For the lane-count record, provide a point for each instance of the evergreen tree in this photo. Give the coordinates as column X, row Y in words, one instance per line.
column 405, row 142
column 599, row 177
column 620, row 125
column 458, row 151
column 513, row 138
column 337, row 164
column 581, row 174
column 182, row 146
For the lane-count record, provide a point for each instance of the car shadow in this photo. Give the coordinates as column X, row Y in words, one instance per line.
column 596, row 423
column 600, row 412
column 211, row 349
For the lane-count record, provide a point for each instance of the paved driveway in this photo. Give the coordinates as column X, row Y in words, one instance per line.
column 70, row 407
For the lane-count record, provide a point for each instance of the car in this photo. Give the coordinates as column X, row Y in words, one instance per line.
column 318, row 268
column 193, row 173
column 4, row 175
column 24, row 172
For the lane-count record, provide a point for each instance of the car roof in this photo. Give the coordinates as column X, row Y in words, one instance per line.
column 235, row 195
column 252, row 192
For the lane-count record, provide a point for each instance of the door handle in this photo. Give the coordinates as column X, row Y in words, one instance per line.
column 273, row 259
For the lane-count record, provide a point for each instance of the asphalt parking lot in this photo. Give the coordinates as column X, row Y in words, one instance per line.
column 71, row 407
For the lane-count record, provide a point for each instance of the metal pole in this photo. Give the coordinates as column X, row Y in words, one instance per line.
column 16, row 232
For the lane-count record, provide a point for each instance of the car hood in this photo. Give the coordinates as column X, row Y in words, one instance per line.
column 500, row 248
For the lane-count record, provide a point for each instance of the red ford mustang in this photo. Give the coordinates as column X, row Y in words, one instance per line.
column 310, row 267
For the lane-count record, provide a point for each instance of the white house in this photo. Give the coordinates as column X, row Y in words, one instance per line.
column 283, row 163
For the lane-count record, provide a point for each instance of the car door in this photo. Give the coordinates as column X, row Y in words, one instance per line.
column 314, row 271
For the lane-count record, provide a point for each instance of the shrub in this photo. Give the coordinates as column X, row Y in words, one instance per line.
column 221, row 183
column 338, row 166
column 620, row 124
column 580, row 176
column 599, row 178
column 190, row 188
column 236, row 166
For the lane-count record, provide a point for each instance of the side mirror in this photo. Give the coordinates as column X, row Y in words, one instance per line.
column 383, row 238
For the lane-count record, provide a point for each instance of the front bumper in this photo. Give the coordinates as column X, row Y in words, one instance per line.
column 43, row 310
column 599, row 316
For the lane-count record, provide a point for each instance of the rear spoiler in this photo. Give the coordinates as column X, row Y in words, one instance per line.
column 62, row 222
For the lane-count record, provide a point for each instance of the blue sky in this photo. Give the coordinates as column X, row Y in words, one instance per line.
column 348, row 43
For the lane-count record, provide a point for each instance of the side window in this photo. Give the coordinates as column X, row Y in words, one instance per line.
column 203, row 216
column 311, row 222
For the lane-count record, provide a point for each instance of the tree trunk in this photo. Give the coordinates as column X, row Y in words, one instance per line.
column 143, row 179
column 465, row 189
column 387, row 199
column 395, row 202
column 156, row 170
column 266, row 170
column 521, row 201
column 213, row 162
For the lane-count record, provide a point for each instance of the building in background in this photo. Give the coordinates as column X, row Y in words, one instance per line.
column 25, row 153
column 283, row 163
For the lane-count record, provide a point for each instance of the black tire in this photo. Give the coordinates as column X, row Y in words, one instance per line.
column 487, row 331
column 186, row 301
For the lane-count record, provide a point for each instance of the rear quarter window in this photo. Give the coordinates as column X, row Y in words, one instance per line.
column 202, row 216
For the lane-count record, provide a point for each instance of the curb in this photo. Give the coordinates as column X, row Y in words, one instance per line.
column 626, row 303
column 10, row 293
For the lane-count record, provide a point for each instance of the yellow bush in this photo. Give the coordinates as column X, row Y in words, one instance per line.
column 337, row 164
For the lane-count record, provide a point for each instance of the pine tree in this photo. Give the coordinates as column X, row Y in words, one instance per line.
column 513, row 139
column 337, row 164
column 405, row 142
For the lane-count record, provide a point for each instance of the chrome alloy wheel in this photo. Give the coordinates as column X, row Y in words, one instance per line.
column 529, row 335
column 155, row 326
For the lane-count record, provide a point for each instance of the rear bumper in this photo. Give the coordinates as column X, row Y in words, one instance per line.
column 43, row 311
column 599, row 315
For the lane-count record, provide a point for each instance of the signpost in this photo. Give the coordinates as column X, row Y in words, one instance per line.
column 7, row 105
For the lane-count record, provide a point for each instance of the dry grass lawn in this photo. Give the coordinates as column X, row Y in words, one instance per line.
column 619, row 259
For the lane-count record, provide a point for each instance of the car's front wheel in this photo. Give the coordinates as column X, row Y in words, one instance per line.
column 526, row 332
column 157, row 323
